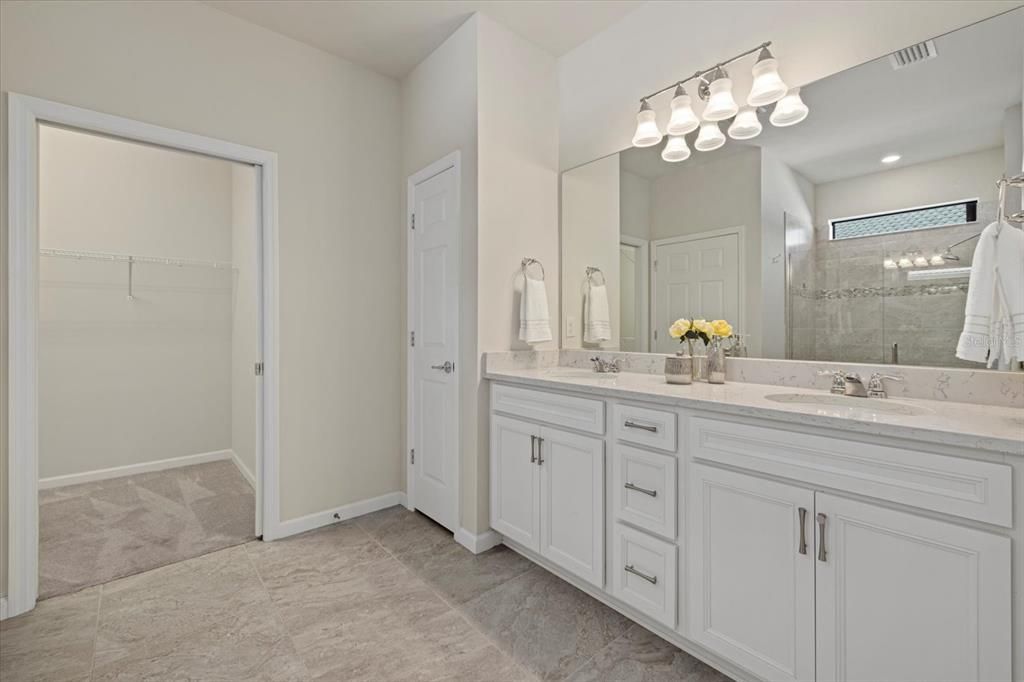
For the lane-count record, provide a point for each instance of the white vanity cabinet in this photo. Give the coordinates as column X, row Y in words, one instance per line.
column 547, row 493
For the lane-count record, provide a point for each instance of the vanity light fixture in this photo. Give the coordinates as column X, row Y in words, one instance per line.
column 710, row 137
column 937, row 259
column 675, row 149
column 746, row 125
column 891, row 158
column 920, row 261
column 683, row 119
column 768, row 87
column 889, row 264
column 721, row 104
column 647, row 133
column 789, row 110
column 714, row 86
column 905, row 262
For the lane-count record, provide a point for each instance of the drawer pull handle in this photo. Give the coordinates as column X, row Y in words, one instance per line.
column 645, row 491
column 821, row 536
column 533, row 449
column 633, row 425
column 803, row 530
column 540, row 450
column 652, row 579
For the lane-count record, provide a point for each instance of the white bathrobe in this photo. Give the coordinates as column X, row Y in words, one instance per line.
column 994, row 316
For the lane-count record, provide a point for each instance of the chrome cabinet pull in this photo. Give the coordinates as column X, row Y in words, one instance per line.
column 821, row 536
column 645, row 491
column 803, row 530
column 652, row 579
column 540, row 450
column 633, row 425
column 533, row 449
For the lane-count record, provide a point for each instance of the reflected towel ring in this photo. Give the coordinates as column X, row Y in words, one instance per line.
column 591, row 271
column 527, row 262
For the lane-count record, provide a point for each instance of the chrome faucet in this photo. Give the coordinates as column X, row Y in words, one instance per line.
column 851, row 384
column 876, row 385
column 602, row 366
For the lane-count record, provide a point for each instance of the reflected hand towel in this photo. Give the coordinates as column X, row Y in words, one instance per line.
column 597, row 319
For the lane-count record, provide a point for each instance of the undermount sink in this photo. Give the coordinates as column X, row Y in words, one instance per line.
column 841, row 405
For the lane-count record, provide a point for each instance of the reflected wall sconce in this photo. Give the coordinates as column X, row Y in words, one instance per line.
column 715, row 88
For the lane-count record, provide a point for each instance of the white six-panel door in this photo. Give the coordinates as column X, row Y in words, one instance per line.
column 901, row 597
column 515, row 480
column 695, row 278
column 435, row 323
column 750, row 589
column 572, row 502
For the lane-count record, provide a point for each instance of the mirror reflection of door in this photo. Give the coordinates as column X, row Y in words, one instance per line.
column 695, row 276
column 633, row 296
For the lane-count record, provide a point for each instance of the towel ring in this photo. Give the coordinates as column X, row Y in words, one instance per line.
column 527, row 262
column 591, row 271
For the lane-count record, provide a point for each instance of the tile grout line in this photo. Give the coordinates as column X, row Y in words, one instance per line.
column 96, row 631
column 455, row 609
column 582, row 665
column 274, row 612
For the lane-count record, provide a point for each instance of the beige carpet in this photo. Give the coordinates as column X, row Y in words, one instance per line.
column 95, row 532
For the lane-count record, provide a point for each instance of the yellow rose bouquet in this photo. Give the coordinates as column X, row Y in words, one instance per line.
column 689, row 331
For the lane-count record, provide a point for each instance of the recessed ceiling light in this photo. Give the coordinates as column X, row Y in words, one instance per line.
column 891, row 158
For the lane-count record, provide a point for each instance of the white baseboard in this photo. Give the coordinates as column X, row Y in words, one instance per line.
column 246, row 474
column 132, row 469
column 3, row 608
column 329, row 516
column 477, row 543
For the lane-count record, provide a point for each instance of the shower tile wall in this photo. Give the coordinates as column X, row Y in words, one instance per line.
column 844, row 305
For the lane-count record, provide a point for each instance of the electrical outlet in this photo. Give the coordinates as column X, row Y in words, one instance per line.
column 570, row 327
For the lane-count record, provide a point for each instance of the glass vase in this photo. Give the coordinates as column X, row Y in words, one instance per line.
column 714, row 364
column 679, row 369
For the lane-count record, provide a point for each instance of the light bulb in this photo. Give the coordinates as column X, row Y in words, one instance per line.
column 675, row 149
column 745, row 125
column 889, row 264
column 683, row 119
column 709, row 138
column 789, row 110
column 768, row 86
column 720, row 105
column 647, row 133
column 920, row 261
column 937, row 259
column 905, row 262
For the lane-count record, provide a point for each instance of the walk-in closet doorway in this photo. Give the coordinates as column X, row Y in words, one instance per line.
column 142, row 348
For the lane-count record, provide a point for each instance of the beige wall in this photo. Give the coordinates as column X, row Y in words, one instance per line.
column 966, row 176
column 125, row 382
column 590, row 236
column 334, row 127
column 602, row 80
column 244, row 314
column 635, row 205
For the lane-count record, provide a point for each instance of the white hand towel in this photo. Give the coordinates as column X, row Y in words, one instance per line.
column 994, row 315
column 534, row 321
column 597, row 322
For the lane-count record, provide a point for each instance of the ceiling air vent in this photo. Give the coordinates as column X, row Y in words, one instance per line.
column 913, row 54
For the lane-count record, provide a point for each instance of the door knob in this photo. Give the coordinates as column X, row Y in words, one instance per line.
column 448, row 367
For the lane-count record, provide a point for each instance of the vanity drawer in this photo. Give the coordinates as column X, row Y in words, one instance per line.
column 582, row 414
column 644, row 573
column 645, row 489
column 653, row 428
column 961, row 487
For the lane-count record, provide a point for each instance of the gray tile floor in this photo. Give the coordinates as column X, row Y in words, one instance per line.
column 389, row 596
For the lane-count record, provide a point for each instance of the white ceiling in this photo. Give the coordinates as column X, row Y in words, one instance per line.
column 393, row 36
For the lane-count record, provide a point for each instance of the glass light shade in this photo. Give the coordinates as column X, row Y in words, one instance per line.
column 789, row 110
column 683, row 119
column 920, row 261
column 647, row 133
column 768, row 86
column 709, row 138
column 889, row 264
column 675, row 149
column 720, row 105
column 937, row 259
column 905, row 262
column 745, row 125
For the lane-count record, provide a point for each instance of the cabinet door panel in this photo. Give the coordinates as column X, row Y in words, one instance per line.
column 515, row 475
column 903, row 597
column 750, row 590
column 572, row 503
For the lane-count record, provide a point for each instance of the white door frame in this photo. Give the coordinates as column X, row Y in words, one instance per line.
column 644, row 263
column 24, row 113
column 451, row 161
column 741, row 232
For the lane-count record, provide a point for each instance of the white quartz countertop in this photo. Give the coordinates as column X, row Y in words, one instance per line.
column 979, row 427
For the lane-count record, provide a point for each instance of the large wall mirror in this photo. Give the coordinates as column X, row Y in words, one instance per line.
column 845, row 238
